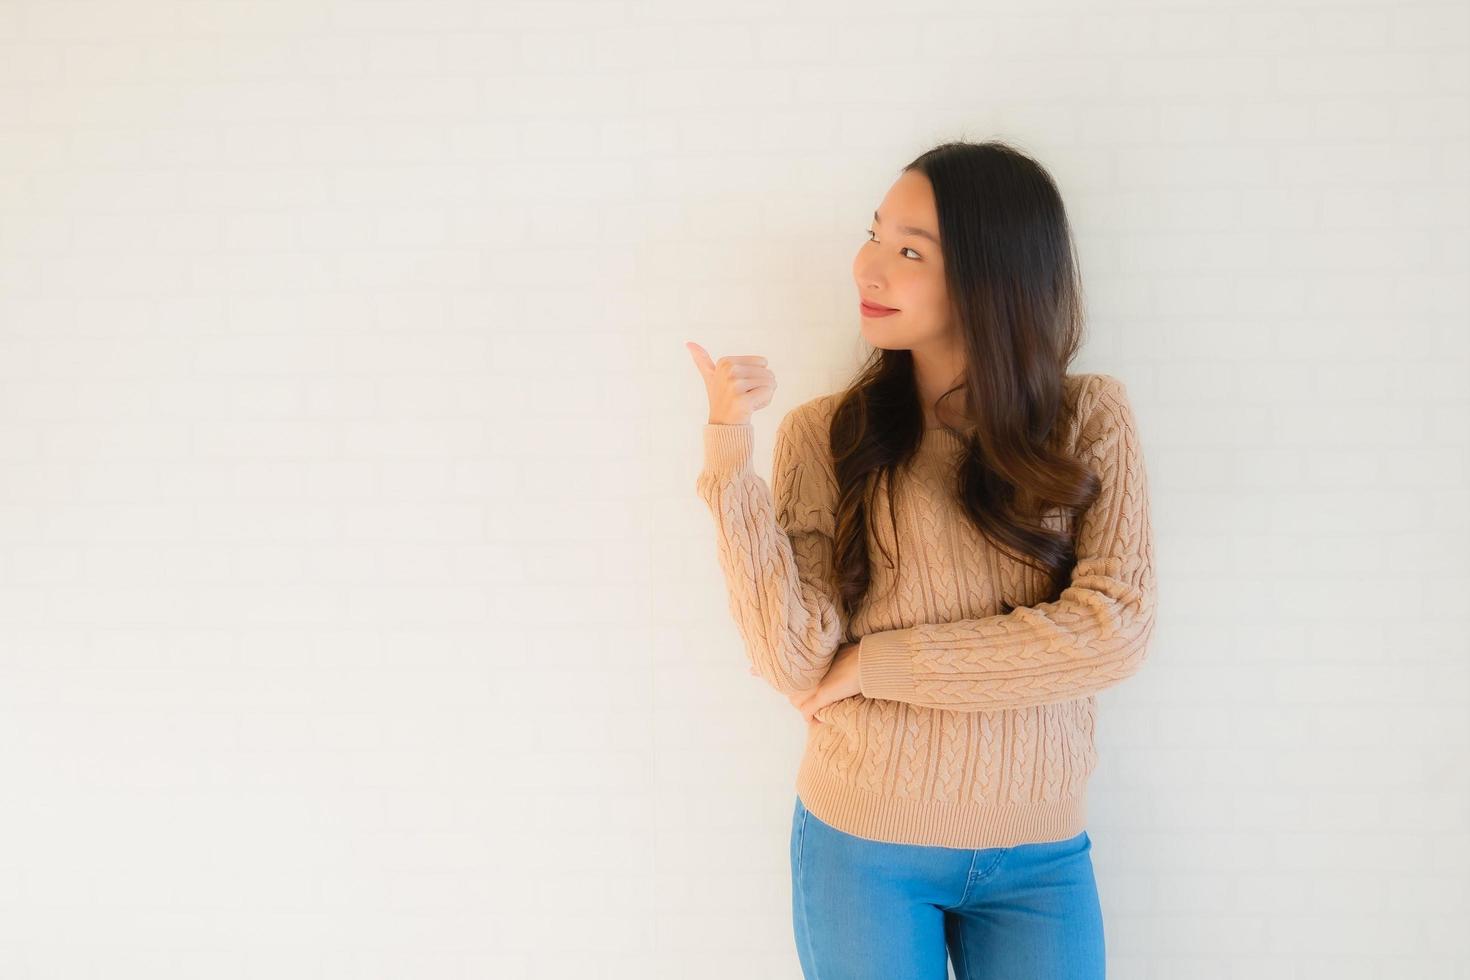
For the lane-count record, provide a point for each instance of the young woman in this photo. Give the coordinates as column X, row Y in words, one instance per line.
column 953, row 557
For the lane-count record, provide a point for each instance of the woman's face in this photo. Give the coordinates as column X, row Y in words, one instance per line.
column 901, row 267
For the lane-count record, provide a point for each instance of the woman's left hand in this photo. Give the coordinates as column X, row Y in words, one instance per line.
column 841, row 681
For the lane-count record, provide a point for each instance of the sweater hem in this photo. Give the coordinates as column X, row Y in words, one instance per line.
column 869, row 815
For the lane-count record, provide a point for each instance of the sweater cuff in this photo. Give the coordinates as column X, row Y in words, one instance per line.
column 886, row 666
column 728, row 448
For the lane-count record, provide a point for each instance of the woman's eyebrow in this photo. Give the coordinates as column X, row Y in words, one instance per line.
column 907, row 230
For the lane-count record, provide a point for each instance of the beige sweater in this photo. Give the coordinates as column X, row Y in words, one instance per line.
column 973, row 729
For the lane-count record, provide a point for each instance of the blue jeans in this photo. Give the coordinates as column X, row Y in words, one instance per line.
column 872, row 909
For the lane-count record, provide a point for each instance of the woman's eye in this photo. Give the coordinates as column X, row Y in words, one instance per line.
column 904, row 249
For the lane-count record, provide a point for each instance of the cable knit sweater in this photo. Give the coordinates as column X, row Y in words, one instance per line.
column 974, row 728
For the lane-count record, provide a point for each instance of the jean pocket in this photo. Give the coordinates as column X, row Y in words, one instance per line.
column 798, row 833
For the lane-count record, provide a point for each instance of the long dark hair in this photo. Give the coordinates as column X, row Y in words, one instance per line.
column 1012, row 277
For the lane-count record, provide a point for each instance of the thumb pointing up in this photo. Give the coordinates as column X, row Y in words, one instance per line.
column 702, row 360
column 737, row 385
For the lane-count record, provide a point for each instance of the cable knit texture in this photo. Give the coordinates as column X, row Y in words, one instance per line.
column 974, row 728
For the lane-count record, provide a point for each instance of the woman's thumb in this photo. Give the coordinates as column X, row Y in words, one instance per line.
column 702, row 360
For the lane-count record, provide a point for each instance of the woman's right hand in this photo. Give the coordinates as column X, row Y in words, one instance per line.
column 737, row 385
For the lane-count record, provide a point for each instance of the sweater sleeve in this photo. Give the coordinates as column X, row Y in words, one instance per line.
column 775, row 548
column 1093, row 636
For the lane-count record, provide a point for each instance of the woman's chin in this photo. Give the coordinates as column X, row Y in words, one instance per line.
column 875, row 335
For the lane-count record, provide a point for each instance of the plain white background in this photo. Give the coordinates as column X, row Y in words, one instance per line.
column 358, row 617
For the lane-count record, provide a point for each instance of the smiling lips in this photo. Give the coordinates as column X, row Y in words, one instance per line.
column 873, row 309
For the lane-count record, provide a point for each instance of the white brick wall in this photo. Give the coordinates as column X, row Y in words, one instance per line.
column 357, row 617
